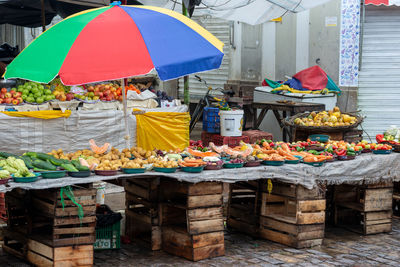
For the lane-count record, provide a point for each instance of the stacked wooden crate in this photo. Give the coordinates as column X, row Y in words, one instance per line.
column 244, row 207
column 142, row 211
column 365, row 209
column 192, row 219
column 58, row 235
column 293, row 215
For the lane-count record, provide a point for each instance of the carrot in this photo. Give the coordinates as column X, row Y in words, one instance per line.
column 266, row 145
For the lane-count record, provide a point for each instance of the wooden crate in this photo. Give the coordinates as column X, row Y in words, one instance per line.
column 244, row 207
column 142, row 211
column 365, row 209
column 293, row 215
column 58, row 225
column 41, row 254
column 192, row 219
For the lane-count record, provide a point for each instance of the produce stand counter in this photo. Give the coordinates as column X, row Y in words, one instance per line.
column 366, row 168
column 287, row 109
column 182, row 213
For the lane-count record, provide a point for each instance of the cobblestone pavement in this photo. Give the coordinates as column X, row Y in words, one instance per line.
column 340, row 248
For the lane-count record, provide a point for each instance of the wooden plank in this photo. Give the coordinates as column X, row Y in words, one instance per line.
column 208, row 239
column 311, row 235
column 303, row 193
column 278, row 237
column 39, row 260
column 205, row 213
column 346, row 196
column 207, row 252
column 150, row 183
column 351, row 205
column 311, row 217
column 375, row 222
column 79, row 240
column 73, row 252
column 73, row 211
column 205, row 188
column 137, row 190
column 379, row 228
column 290, row 228
column 273, row 198
column 384, row 184
column 14, row 251
column 82, row 262
column 378, row 215
column 74, row 230
column 198, row 227
column 65, row 221
column 311, row 205
column 282, row 218
column 204, row 201
column 40, row 248
column 84, row 202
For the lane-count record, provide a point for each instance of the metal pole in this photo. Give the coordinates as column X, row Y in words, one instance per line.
column 186, row 94
column 43, row 15
column 124, row 101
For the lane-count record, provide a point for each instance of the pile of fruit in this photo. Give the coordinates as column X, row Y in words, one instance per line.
column 11, row 98
column 104, row 92
column 331, row 118
column 192, row 162
column 35, row 92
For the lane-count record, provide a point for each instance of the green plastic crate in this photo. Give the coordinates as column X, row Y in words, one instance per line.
column 108, row 237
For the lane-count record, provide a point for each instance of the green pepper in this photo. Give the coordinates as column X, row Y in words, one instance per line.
column 312, row 151
column 299, row 149
column 349, row 153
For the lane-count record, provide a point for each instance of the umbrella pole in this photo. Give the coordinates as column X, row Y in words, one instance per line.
column 124, row 102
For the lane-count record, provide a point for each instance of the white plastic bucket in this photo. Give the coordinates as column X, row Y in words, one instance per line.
column 231, row 122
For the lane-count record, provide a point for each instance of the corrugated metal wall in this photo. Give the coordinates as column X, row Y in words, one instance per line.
column 13, row 35
column 216, row 78
column 379, row 80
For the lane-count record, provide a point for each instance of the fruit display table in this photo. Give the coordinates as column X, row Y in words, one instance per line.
column 365, row 169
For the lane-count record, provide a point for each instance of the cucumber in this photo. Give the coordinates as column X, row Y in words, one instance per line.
column 45, row 165
column 57, row 162
column 6, row 154
column 28, row 162
column 69, row 167
column 44, row 156
column 78, row 166
column 31, row 154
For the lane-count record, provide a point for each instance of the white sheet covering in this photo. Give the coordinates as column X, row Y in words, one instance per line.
column 366, row 169
column 20, row 134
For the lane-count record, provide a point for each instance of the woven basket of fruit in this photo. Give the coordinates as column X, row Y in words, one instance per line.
column 327, row 121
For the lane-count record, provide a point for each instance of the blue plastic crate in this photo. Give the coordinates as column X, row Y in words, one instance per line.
column 211, row 120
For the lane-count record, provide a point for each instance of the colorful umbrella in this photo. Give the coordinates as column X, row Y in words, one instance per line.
column 116, row 42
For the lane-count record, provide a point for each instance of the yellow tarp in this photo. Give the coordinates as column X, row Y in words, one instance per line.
column 163, row 130
column 41, row 114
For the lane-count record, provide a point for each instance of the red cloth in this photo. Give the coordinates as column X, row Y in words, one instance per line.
column 313, row 78
column 377, row 2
